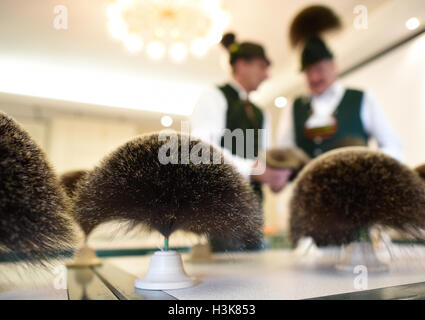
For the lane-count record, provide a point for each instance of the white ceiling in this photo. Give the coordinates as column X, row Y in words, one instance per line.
column 85, row 64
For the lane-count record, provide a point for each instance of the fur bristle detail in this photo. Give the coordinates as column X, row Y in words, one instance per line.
column 35, row 225
column 132, row 185
column 311, row 22
column 352, row 189
column 70, row 179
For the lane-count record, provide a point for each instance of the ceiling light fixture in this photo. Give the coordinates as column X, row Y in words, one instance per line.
column 178, row 27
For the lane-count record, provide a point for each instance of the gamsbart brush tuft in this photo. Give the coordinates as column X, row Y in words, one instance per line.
column 131, row 184
column 35, row 225
column 421, row 171
column 311, row 22
column 346, row 191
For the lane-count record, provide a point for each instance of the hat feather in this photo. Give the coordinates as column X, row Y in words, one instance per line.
column 311, row 22
column 228, row 39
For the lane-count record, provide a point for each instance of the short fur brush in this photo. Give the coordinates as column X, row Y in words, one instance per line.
column 131, row 184
column 344, row 192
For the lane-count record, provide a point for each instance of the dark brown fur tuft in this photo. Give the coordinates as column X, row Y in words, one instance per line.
column 347, row 190
column 132, row 185
column 227, row 40
column 421, row 171
column 69, row 180
column 311, row 22
column 34, row 224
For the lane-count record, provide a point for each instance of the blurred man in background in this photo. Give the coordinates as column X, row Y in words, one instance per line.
column 228, row 107
column 331, row 116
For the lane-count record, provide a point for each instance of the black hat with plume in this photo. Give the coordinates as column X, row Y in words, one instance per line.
column 133, row 184
column 307, row 28
column 34, row 221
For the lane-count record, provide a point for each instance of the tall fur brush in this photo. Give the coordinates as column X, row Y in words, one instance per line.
column 132, row 185
column 287, row 158
column 351, row 189
column 311, row 22
column 34, row 221
column 421, row 171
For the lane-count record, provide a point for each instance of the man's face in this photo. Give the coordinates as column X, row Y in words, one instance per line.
column 253, row 71
column 321, row 75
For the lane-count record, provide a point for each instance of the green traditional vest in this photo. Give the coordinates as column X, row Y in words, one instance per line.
column 347, row 114
column 243, row 115
column 240, row 115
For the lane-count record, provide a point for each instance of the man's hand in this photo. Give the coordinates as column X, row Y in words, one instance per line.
column 280, row 179
column 275, row 178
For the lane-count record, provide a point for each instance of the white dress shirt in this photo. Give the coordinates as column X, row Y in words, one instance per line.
column 208, row 122
column 373, row 118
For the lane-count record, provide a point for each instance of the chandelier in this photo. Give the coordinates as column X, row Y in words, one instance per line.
column 174, row 27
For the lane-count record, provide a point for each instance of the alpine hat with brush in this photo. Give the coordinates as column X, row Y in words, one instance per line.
column 307, row 30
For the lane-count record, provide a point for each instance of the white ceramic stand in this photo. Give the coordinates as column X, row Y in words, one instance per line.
column 85, row 257
column 165, row 272
column 361, row 253
column 304, row 246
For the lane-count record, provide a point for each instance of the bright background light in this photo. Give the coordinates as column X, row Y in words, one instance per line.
column 199, row 47
column 178, row 52
column 177, row 25
column 98, row 86
column 412, row 23
column 166, row 121
column 280, row 102
column 156, row 50
column 134, row 43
